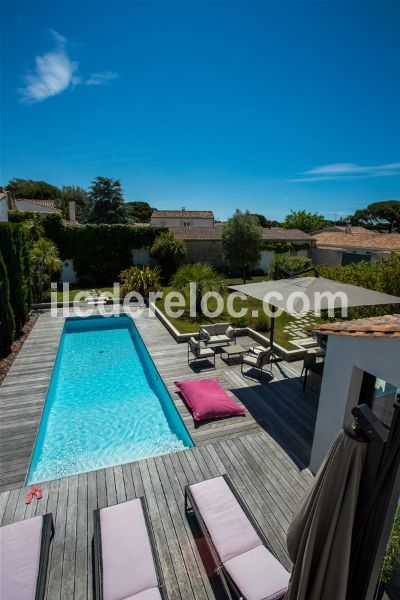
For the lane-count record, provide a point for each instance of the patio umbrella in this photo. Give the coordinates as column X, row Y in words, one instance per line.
column 318, row 292
column 320, row 535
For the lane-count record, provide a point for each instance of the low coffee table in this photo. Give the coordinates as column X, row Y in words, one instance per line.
column 233, row 350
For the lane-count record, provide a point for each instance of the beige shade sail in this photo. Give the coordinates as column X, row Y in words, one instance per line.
column 319, row 291
column 320, row 534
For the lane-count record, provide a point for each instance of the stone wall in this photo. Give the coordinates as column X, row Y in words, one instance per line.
column 209, row 251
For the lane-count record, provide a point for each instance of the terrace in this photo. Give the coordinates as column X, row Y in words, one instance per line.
column 266, row 453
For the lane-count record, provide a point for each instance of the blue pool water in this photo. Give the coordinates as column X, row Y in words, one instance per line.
column 106, row 403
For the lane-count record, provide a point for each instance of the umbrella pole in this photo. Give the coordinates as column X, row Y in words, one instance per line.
column 272, row 331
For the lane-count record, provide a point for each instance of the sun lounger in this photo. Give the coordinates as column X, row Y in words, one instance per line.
column 126, row 565
column 24, row 556
column 247, row 568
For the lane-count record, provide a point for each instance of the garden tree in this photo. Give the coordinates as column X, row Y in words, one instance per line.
column 106, row 202
column 142, row 280
column 203, row 275
column 45, row 263
column 241, row 241
column 7, row 325
column 139, row 211
column 305, row 221
column 34, row 190
column 74, row 193
column 264, row 222
column 170, row 253
column 379, row 215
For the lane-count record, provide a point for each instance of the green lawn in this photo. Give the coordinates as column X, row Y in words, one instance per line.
column 187, row 324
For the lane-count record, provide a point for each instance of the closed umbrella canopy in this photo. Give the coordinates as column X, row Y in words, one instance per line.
column 320, row 535
column 318, row 290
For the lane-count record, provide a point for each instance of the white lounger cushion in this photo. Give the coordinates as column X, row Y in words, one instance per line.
column 128, row 566
column 256, row 572
column 20, row 554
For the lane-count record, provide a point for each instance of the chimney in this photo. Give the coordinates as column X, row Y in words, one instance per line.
column 348, row 228
column 72, row 211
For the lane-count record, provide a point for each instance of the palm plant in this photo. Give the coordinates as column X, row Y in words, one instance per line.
column 45, row 263
column 203, row 275
column 33, row 228
column 142, row 280
column 170, row 253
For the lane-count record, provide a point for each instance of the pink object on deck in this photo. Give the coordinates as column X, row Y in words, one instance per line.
column 128, row 566
column 208, row 400
column 19, row 564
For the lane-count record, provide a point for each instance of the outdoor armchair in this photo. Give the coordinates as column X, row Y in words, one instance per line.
column 259, row 361
column 199, row 351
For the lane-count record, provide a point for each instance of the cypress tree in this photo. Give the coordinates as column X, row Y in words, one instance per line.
column 7, row 326
column 13, row 260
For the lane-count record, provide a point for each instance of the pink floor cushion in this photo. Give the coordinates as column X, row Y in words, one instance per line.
column 208, row 400
column 258, row 574
column 228, row 525
column 20, row 553
column 128, row 565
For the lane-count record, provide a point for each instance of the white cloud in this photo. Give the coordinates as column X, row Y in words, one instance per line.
column 340, row 171
column 55, row 72
column 100, row 78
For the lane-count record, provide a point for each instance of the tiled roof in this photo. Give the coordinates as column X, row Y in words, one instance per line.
column 387, row 326
column 366, row 239
column 43, row 206
column 275, row 234
column 176, row 214
column 197, row 233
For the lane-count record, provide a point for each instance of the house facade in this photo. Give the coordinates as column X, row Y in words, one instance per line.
column 340, row 246
column 182, row 218
column 205, row 244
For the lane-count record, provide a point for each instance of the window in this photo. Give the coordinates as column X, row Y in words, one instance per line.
column 187, row 224
column 380, row 396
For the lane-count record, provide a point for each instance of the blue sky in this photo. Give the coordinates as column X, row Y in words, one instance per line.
column 269, row 106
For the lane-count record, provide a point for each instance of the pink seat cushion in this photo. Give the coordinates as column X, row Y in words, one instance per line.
column 20, row 554
column 208, row 400
column 128, row 565
column 230, row 530
column 152, row 594
column 258, row 574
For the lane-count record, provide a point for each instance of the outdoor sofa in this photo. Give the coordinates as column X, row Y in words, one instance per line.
column 24, row 558
column 247, row 568
column 126, row 563
column 219, row 334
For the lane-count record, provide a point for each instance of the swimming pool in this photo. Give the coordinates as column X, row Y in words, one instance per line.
column 106, row 403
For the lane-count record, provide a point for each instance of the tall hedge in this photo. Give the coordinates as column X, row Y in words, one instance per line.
column 12, row 247
column 7, row 325
column 98, row 251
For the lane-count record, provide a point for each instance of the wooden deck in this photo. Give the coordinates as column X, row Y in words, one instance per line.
column 268, row 480
column 265, row 453
column 277, row 406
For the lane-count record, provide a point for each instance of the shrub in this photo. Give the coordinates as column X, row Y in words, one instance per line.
column 290, row 264
column 45, row 263
column 7, row 325
column 206, row 278
column 142, row 280
column 12, row 243
column 170, row 253
column 261, row 323
column 238, row 322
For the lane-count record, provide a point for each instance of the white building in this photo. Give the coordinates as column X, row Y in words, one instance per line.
column 357, row 351
column 3, row 206
column 182, row 218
